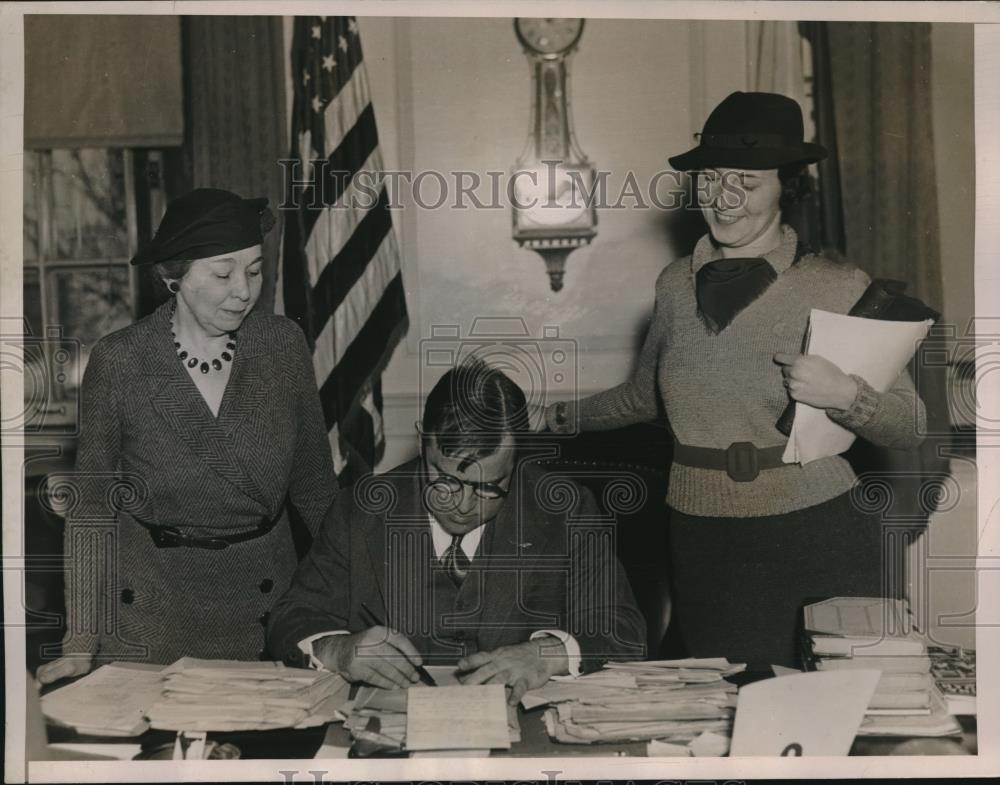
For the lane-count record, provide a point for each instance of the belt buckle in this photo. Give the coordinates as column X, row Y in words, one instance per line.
column 741, row 461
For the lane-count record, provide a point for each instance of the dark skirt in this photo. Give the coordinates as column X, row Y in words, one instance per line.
column 740, row 583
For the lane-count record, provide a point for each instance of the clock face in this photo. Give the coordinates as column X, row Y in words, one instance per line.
column 548, row 36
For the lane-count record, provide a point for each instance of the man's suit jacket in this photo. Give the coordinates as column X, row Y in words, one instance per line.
column 545, row 562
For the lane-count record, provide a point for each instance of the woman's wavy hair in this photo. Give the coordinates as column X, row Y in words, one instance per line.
column 796, row 184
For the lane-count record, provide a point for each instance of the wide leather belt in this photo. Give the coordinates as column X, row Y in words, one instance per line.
column 172, row 537
column 742, row 461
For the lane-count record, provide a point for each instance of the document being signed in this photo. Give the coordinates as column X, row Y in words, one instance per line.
column 456, row 718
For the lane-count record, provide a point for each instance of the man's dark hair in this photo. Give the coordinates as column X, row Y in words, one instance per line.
column 471, row 408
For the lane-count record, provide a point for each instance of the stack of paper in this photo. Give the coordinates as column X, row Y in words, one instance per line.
column 111, row 701
column 874, row 633
column 448, row 717
column 215, row 695
column 669, row 700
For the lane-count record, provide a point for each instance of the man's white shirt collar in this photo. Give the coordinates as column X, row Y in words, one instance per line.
column 442, row 540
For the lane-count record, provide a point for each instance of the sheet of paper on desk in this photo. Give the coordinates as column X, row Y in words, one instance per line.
column 806, row 714
column 873, row 349
column 463, row 717
column 111, row 701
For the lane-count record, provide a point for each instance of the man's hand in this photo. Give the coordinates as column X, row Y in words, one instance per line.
column 64, row 668
column 521, row 667
column 378, row 656
column 815, row 381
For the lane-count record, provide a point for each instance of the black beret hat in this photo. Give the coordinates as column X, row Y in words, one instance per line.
column 751, row 131
column 207, row 222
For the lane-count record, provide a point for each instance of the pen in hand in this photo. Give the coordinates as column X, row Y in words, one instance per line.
column 369, row 618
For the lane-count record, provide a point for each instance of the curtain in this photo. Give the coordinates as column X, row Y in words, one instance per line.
column 235, row 86
column 102, row 81
column 878, row 85
column 775, row 50
column 881, row 85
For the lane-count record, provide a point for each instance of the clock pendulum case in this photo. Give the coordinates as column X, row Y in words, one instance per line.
column 553, row 182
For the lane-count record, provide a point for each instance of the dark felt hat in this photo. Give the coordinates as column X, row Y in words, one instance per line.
column 751, row 131
column 207, row 222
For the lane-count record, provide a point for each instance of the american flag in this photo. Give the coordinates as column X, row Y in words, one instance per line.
column 340, row 273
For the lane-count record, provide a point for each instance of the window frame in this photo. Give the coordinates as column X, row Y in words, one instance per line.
column 58, row 409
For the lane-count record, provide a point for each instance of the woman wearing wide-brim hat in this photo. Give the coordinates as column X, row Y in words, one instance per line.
column 752, row 538
column 199, row 425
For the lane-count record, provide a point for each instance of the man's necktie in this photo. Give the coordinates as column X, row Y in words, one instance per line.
column 456, row 563
column 725, row 287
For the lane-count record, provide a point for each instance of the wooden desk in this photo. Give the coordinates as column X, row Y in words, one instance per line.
column 282, row 744
column 535, row 742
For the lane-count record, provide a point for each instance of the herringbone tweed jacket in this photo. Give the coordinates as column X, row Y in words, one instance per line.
column 150, row 450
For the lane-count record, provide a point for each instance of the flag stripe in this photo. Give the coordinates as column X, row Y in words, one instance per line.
column 334, row 227
column 345, row 110
column 340, row 266
column 327, row 184
column 344, row 270
column 367, row 354
column 341, row 330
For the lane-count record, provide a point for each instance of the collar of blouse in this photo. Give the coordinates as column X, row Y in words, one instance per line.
column 781, row 258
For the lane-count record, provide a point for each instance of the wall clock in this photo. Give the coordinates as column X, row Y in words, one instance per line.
column 552, row 181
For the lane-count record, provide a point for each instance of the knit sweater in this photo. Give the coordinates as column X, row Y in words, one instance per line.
column 725, row 388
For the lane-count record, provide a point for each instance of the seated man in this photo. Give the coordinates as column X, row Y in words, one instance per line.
column 467, row 556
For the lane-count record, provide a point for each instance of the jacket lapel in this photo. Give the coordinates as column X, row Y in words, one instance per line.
column 177, row 400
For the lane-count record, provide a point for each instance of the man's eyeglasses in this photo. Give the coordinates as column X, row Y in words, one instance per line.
column 452, row 485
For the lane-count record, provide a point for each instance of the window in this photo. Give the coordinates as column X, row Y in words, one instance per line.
column 79, row 234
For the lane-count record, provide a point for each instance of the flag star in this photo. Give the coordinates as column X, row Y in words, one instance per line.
column 328, row 62
column 305, row 77
column 317, row 31
column 352, row 25
column 342, row 43
column 317, row 104
column 322, row 19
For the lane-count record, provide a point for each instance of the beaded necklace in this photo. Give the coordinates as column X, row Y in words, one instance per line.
column 191, row 361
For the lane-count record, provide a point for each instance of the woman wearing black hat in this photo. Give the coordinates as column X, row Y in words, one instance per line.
column 199, row 423
column 752, row 537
